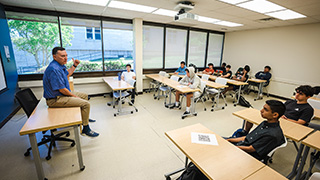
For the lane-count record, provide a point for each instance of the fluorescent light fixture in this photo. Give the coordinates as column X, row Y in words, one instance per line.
column 227, row 23
column 207, row 19
column 92, row 2
column 165, row 12
column 261, row 6
column 286, row 15
column 131, row 6
column 233, row 1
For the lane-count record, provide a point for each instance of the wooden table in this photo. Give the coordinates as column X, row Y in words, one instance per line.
column 312, row 141
column 44, row 119
column 261, row 83
column 222, row 162
column 120, row 86
column 216, row 86
column 266, row 173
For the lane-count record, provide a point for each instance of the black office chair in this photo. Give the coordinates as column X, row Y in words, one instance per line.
column 29, row 102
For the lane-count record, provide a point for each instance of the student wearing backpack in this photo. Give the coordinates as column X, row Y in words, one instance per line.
column 267, row 135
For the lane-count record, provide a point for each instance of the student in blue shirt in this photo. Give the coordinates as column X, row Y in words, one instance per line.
column 182, row 69
column 57, row 90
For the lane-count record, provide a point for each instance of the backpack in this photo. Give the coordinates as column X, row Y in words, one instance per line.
column 239, row 133
column 192, row 173
column 243, row 102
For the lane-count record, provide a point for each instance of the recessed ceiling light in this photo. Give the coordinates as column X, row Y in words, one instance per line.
column 227, row 23
column 131, row 6
column 165, row 12
column 286, row 15
column 233, row 1
column 207, row 19
column 92, row 2
column 261, row 6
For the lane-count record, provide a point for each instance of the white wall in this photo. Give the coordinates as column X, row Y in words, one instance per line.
column 293, row 52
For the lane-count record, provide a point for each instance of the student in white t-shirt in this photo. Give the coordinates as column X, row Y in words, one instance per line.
column 126, row 75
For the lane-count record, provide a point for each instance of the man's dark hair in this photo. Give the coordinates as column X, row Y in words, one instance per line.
column 228, row 66
column 56, row 49
column 306, row 89
column 276, row 106
column 268, row 67
column 187, row 70
column 182, row 62
column 210, row 64
column 128, row 65
column 247, row 68
column 224, row 64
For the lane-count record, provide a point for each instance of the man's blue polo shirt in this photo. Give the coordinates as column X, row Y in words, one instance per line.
column 55, row 77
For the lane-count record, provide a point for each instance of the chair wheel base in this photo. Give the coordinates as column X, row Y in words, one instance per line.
column 48, row 158
column 136, row 110
column 72, row 144
column 27, row 153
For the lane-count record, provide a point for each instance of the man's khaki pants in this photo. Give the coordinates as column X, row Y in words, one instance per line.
column 67, row 101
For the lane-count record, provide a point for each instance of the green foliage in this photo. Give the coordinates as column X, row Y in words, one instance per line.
column 38, row 38
column 115, row 65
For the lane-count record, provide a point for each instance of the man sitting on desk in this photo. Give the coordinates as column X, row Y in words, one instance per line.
column 126, row 76
column 297, row 110
column 209, row 70
column 191, row 80
column 182, row 69
column 57, row 91
column 267, row 136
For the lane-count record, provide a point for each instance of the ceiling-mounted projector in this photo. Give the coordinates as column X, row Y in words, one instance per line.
column 184, row 7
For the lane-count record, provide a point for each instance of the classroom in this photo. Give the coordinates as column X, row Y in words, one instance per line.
column 151, row 90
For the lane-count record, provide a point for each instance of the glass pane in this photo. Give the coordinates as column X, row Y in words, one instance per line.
column 97, row 34
column 197, row 48
column 80, row 44
column 175, row 47
column 215, row 49
column 118, row 45
column 152, row 47
column 33, row 38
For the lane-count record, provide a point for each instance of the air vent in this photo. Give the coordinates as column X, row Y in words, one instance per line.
column 267, row 19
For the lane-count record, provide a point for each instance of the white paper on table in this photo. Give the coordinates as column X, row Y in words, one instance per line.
column 182, row 86
column 202, row 138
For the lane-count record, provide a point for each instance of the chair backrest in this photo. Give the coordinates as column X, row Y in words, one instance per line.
column 281, row 146
column 222, row 81
column 202, row 86
column 317, row 96
column 315, row 176
column 131, row 82
column 175, row 78
column 314, row 103
column 27, row 100
column 205, row 76
column 162, row 73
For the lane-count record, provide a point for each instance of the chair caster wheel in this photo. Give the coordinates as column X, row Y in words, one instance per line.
column 113, row 107
column 68, row 134
column 195, row 114
column 131, row 112
column 222, row 108
column 27, row 153
column 168, row 178
column 205, row 109
column 234, row 105
column 155, row 98
column 48, row 158
column 182, row 117
column 136, row 110
column 255, row 99
column 72, row 144
column 114, row 115
column 226, row 104
column 81, row 169
column 179, row 108
column 212, row 110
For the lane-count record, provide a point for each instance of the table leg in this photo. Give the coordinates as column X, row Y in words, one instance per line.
column 313, row 160
column 36, row 156
column 239, row 93
column 303, row 161
column 259, row 91
column 77, row 139
column 296, row 163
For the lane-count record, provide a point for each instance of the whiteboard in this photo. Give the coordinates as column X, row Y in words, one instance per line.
column 3, row 83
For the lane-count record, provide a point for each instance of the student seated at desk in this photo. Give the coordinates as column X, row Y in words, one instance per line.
column 239, row 76
column 227, row 73
column 126, row 76
column 182, row 69
column 209, row 70
column 57, row 90
column 191, row 80
column 297, row 110
column 265, row 74
column 267, row 136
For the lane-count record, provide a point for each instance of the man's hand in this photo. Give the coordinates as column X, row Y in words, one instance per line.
column 76, row 62
column 284, row 117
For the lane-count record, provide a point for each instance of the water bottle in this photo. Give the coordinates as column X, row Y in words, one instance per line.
column 119, row 76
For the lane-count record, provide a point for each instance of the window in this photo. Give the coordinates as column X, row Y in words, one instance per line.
column 118, row 45
column 176, row 40
column 33, row 37
column 197, row 48
column 152, row 47
column 97, row 34
column 215, row 49
column 77, row 41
